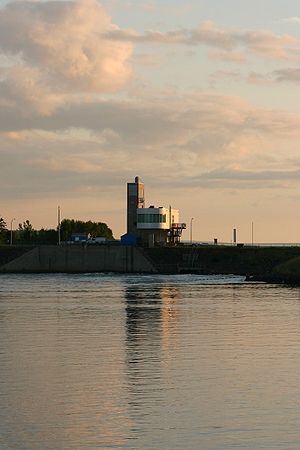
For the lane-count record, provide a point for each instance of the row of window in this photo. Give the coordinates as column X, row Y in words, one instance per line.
column 152, row 218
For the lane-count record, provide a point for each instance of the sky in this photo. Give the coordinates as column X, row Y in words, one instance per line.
column 200, row 99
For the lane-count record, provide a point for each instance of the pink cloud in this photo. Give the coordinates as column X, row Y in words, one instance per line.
column 229, row 56
column 262, row 43
column 62, row 44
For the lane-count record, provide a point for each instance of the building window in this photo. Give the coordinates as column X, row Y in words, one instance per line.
column 151, row 218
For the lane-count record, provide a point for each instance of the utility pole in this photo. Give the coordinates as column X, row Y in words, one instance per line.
column 252, row 233
column 170, row 226
column 234, row 236
column 191, row 230
column 58, row 224
column 11, row 233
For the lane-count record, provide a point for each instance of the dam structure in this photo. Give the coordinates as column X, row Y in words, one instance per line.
column 146, row 227
column 152, row 245
column 75, row 259
column 152, row 226
column 270, row 264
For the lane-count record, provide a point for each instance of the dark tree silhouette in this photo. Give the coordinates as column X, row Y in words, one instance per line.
column 70, row 226
column 3, row 230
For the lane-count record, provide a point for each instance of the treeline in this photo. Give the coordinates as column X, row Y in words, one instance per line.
column 27, row 235
column 70, row 226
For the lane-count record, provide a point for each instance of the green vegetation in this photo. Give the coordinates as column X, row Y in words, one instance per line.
column 3, row 231
column 70, row 226
column 27, row 235
column 26, row 232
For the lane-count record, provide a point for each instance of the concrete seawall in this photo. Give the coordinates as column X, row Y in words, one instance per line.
column 106, row 258
column 273, row 264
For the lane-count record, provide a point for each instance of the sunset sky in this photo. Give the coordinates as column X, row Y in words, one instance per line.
column 199, row 98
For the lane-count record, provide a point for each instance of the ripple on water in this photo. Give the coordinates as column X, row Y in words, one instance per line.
column 102, row 361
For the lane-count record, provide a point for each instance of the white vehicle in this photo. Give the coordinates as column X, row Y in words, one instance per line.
column 96, row 241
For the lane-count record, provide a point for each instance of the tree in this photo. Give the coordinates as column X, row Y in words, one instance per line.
column 26, row 232
column 70, row 226
column 46, row 237
column 2, row 224
column 3, row 230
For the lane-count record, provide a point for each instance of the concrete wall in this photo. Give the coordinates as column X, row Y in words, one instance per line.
column 265, row 264
column 258, row 262
column 105, row 258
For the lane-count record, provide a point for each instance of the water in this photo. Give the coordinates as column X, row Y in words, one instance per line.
column 148, row 362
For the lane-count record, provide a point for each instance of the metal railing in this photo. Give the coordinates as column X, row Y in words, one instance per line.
column 245, row 244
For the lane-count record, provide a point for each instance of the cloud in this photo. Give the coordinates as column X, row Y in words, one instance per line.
column 227, row 75
column 280, row 124
column 171, row 137
column 260, row 79
column 291, row 75
column 251, row 175
column 159, row 119
column 147, row 59
column 189, row 148
column 23, row 88
column 149, row 7
column 255, row 78
column 61, row 52
column 268, row 44
column 61, row 47
column 239, row 179
column 292, row 20
column 201, row 122
column 287, row 75
column 262, row 43
column 228, row 56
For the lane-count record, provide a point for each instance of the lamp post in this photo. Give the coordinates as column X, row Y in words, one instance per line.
column 11, row 231
column 191, row 230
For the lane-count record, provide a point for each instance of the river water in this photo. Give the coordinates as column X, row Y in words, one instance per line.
column 148, row 362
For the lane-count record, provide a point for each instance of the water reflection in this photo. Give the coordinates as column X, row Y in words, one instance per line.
column 140, row 362
column 61, row 367
column 143, row 311
column 151, row 317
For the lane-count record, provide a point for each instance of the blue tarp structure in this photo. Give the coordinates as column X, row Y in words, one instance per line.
column 129, row 239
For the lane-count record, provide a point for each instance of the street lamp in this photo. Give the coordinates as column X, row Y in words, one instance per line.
column 191, row 230
column 11, row 231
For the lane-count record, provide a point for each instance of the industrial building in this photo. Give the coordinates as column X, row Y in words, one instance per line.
column 153, row 225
